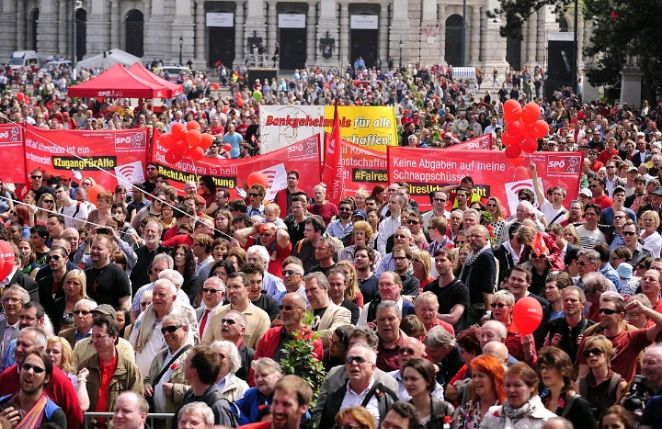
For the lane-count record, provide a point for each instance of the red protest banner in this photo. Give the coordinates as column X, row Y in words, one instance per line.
column 362, row 167
column 232, row 174
column 332, row 173
column 13, row 155
column 109, row 157
column 427, row 170
column 478, row 143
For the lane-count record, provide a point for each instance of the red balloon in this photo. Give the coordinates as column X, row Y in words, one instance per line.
column 511, row 111
column 516, row 128
column 167, row 140
column 7, row 258
column 193, row 138
column 180, row 148
column 196, row 153
column 530, row 145
column 540, row 128
column 513, row 151
column 20, row 97
column 93, row 193
column 172, row 157
column 530, row 113
column 257, row 178
column 227, row 147
column 178, row 130
column 215, row 86
column 527, row 315
column 508, row 139
column 193, row 125
column 206, row 141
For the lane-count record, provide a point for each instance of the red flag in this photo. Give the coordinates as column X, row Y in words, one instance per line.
column 332, row 172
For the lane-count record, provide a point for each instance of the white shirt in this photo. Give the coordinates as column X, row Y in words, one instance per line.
column 159, row 397
column 363, row 317
column 387, row 228
column 355, row 399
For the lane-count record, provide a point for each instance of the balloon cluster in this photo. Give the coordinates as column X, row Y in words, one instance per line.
column 523, row 129
column 186, row 141
column 6, row 259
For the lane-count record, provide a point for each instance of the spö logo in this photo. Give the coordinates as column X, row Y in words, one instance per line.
column 561, row 164
column 130, row 141
column 11, row 135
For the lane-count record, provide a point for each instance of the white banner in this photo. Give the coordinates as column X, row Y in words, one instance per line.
column 364, row 22
column 291, row 20
column 283, row 125
column 220, row 19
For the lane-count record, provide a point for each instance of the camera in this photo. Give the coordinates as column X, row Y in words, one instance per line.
column 637, row 396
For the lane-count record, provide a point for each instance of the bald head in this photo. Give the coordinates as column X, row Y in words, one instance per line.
column 498, row 350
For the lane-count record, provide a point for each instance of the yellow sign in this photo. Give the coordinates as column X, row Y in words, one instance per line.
column 371, row 126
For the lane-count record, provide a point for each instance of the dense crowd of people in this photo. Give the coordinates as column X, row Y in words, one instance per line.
column 142, row 300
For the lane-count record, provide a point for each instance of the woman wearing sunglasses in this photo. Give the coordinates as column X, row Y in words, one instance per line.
column 601, row 386
column 45, row 206
column 519, row 346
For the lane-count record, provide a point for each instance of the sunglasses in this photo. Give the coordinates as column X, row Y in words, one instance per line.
column 629, row 233
column 608, row 311
column 287, row 307
column 594, row 351
column 439, row 200
column 144, row 304
column 36, row 369
column 228, row 321
column 345, row 209
column 151, row 168
column 210, row 290
column 498, row 305
column 49, row 201
column 412, row 222
column 35, row 177
column 170, row 329
column 289, row 273
column 54, row 257
column 358, row 359
column 254, row 195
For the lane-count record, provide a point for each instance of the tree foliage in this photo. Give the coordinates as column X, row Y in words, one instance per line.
column 620, row 29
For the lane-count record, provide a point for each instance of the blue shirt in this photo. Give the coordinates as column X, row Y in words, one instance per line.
column 235, row 140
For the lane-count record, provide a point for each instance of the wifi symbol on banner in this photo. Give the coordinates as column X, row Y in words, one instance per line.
column 127, row 171
column 270, row 174
column 130, row 173
column 518, row 186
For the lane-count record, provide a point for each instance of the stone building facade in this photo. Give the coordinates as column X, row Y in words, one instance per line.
column 313, row 32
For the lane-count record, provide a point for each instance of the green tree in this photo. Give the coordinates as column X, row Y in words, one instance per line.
column 620, row 29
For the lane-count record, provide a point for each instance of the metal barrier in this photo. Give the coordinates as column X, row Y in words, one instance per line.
column 151, row 418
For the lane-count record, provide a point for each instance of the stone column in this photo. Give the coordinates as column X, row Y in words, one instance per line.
column 541, row 40
column 442, row 33
column 311, row 42
column 239, row 33
column 531, row 41
column 400, row 28
column 327, row 23
column 157, row 31
column 255, row 20
column 631, row 85
column 383, row 34
column 182, row 26
column 344, row 35
column 474, row 51
column 115, row 25
column 47, row 31
column 580, row 41
column 97, row 38
column 427, row 42
column 200, row 42
column 64, row 27
column 20, row 25
column 272, row 28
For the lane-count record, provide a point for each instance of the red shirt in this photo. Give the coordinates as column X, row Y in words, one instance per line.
column 181, row 239
column 107, row 372
column 604, row 202
column 327, row 211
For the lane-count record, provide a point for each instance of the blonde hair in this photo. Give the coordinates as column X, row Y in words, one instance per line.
column 352, row 287
column 80, row 276
column 67, row 353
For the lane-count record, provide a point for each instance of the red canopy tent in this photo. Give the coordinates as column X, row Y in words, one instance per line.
column 140, row 71
column 118, row 82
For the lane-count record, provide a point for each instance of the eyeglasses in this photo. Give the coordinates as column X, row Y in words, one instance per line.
column 629, row 233
column 358, row 359
column 412, row 222
column 35, row 177
column 228, row 321
column 541, row 256
column 594, row 351
column 608, row 311
column 287, row 307
column 151, row 168
column 36, row 369
column 219, row 273
column 49, row 201
column 254, row 195
column 491, row 205
column 439, row 200
column 398, row 258
column 498, row 305
column 54, row 257
column 145, row 304
column 345, row 209
column 170, row 329
column 210, row 290
column 290, row 273
column 82, row 312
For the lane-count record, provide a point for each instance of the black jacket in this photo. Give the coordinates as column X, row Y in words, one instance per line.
column 222, row 409
column 440, row 410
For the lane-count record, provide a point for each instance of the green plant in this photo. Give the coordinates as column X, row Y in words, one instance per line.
column 298, row 358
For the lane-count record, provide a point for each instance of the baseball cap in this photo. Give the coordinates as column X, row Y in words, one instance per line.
column 106, row 310
column 360, row 213
column 624, row 270
column 586, row 193
column 658, row 191
column 618, row 189
column 633, row 169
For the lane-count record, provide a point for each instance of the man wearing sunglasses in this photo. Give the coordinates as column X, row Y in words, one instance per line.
column 341, row 227
column 627, row 342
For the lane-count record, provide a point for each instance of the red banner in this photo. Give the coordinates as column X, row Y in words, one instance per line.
column 427, row 170
column 332, row 173
column 478, row 143
column 362, row 167
column 109, row 157
column 303, row 156
column 13, row 155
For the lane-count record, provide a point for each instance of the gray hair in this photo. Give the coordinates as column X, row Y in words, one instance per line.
column 472, row 212
column 216, row 281
column 567, row 424
column 439, row 337
column 171, row 286
column 179, row 318
column 372, row 355
column 163, row 257
column 387, row 304
column 591, row 255
column 427, row 296
column 322, row 281
column 527, row 206
column 261, row 251
column 504, row 295
column 92, row 305
column 233, row 353
column 266, row 363
column 199, row 408
column 24, row 294
column 174, row 276
column 40, row 338
column 500, row 328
